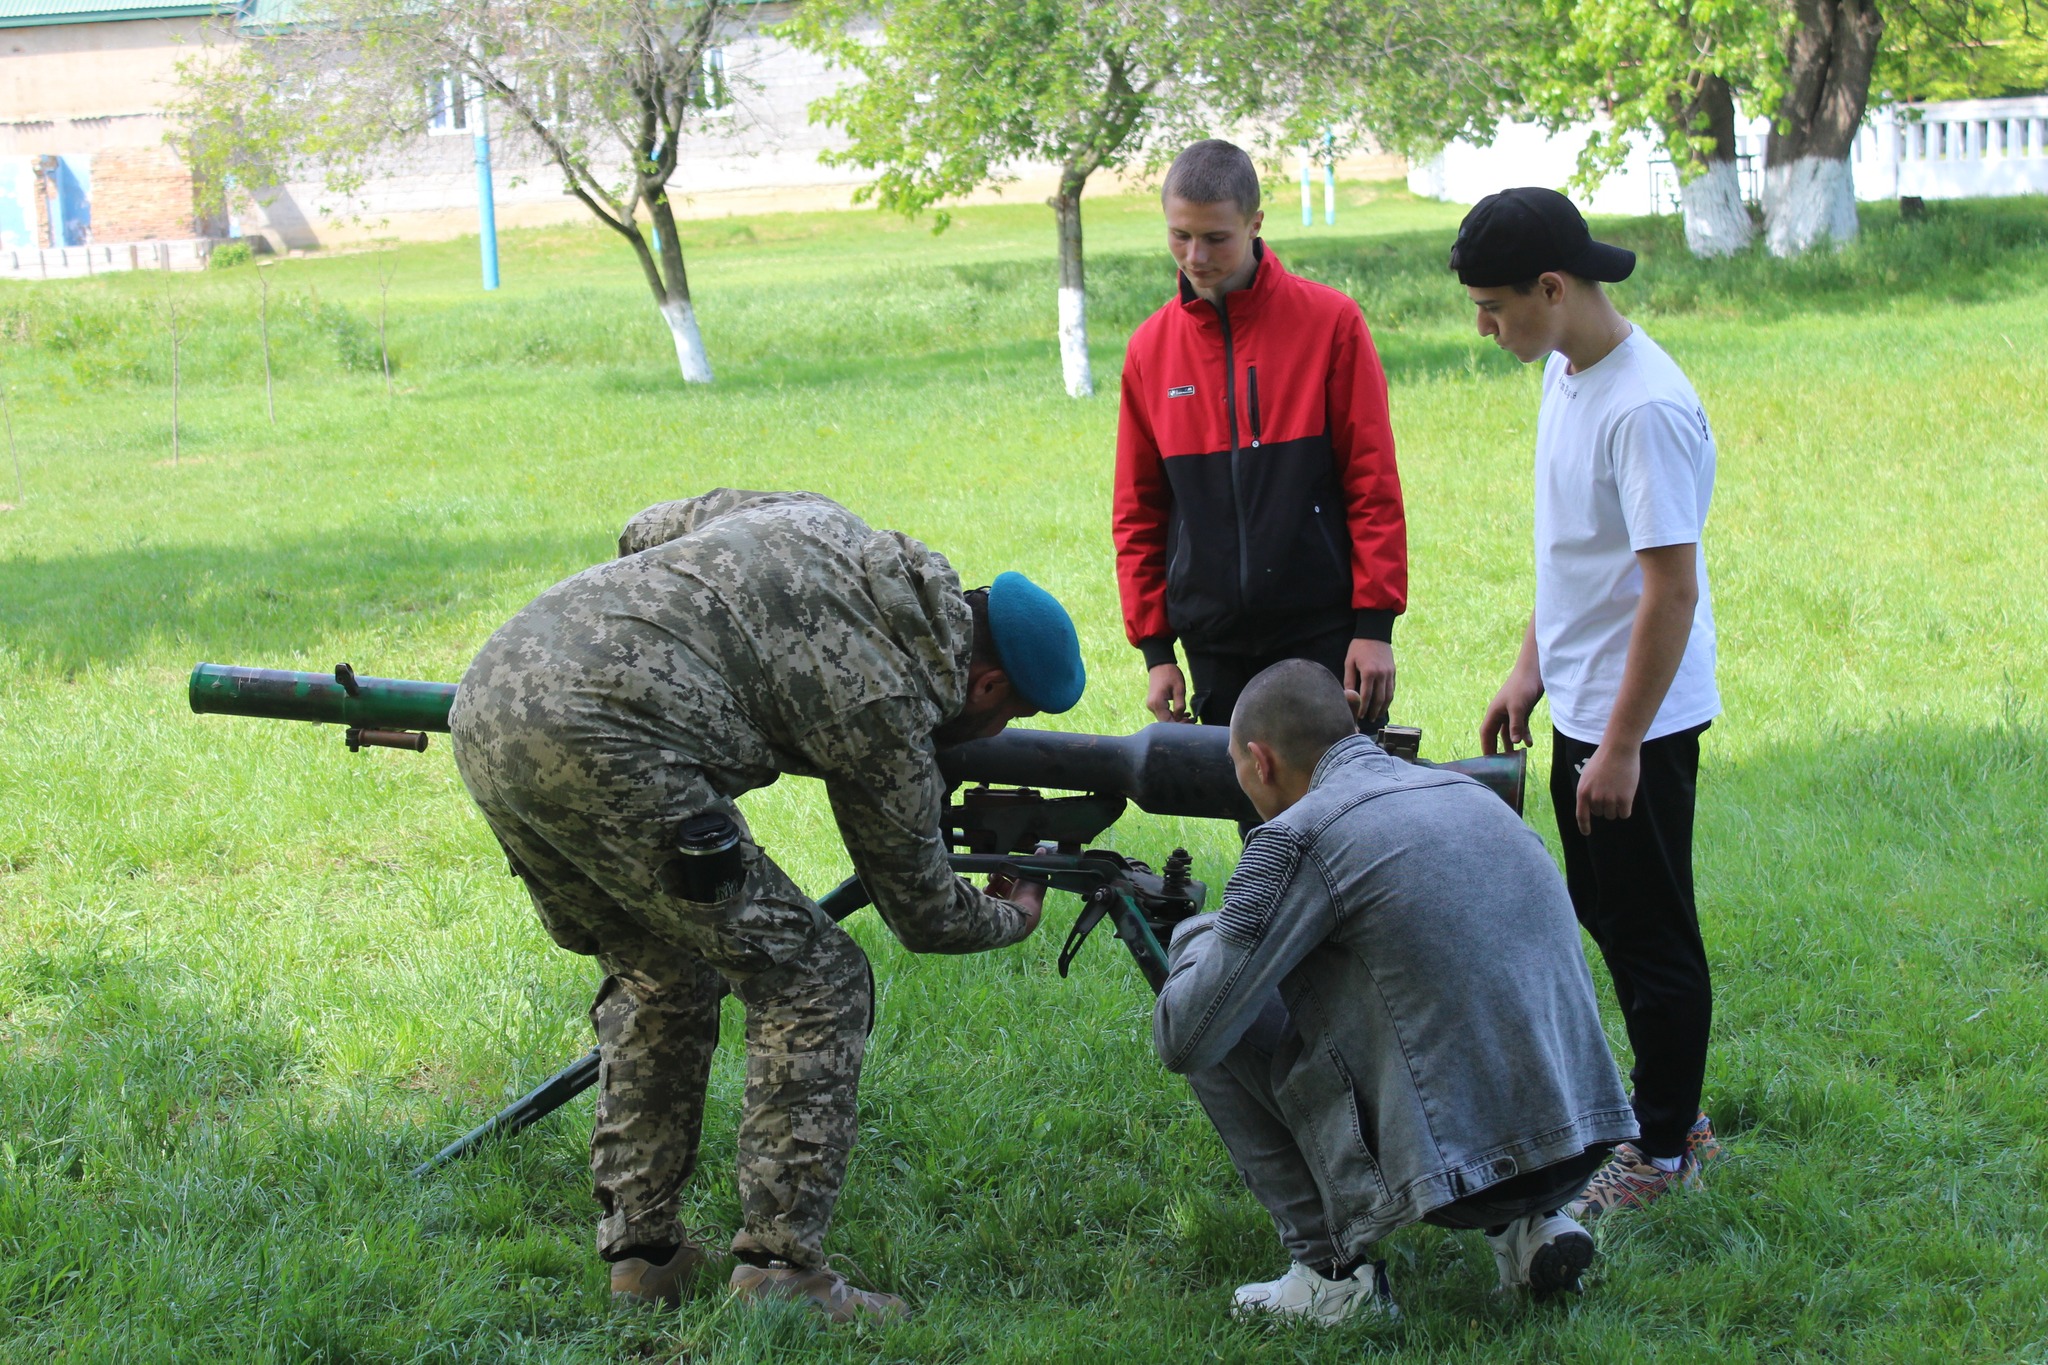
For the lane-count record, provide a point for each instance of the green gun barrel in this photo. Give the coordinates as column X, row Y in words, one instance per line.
column 280, row 694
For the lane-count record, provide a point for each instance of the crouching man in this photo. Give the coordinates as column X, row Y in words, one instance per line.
column 1390, row 1020
column 605, row 732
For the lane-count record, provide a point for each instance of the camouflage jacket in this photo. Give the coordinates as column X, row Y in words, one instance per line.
column 750, row 635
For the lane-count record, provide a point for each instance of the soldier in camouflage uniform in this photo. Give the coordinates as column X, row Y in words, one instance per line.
column 738, row 637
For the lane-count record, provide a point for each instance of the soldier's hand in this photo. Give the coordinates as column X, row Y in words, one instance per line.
column 1166, row 694
column 1027, row 896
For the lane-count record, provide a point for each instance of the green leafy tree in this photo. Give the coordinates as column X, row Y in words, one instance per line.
column 1962, row 49
column 1396, row 75
column 606, row 89
column 1809, row 192
column 1838, row 53
column 1668, row 71
column 1675, row 69
column 951, row 96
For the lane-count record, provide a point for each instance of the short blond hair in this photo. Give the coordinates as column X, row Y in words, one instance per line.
column 1213, row 172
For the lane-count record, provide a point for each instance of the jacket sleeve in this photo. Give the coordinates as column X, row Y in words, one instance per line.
column 1362, row 443
column 1140, row 508
column 1222, row 968
column 888, row 798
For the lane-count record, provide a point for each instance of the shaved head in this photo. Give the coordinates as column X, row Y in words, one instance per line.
column 1297, row 709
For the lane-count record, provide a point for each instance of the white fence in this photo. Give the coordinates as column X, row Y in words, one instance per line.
column 1956, row 149
column 1951, row 150
column 65, row 262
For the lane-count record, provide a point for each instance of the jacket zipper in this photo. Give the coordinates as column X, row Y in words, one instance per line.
column 1244, row 562
column 1251, row 381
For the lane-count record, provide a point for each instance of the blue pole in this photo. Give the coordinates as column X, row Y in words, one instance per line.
column 1329, row 177
column 486, row 208
column 1308, row 216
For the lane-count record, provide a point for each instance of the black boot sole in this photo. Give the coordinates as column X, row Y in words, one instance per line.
column 1557, row 1265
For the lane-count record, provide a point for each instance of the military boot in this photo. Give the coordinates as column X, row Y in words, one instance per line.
column 661, row 1284
column 824, row 1289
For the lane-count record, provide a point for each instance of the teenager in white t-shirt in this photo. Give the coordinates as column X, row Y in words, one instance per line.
column 1622, row 642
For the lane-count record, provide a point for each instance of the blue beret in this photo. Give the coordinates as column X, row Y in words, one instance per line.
column 1036, row 643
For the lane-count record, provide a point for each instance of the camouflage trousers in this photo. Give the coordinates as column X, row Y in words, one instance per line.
column 589, row 859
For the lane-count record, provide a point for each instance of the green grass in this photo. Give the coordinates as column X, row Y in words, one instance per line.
column 247, row 980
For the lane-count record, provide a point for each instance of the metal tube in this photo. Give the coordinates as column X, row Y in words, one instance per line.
column 280, row 694
column 1165, row 768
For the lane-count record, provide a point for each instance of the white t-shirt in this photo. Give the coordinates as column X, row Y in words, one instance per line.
column 1624, row 462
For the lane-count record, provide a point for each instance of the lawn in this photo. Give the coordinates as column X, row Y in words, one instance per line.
column 248, row 980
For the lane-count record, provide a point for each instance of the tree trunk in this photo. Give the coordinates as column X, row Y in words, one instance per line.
column 690, row 353
column 1809, row 193
column 1716, row 220
column 672, row 295
column 1066, row 208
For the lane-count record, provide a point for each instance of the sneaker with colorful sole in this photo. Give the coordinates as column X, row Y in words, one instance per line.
column 1630, row 1180
column 1700, row 1143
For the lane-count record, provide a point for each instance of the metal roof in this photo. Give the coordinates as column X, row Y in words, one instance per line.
column 26, row 13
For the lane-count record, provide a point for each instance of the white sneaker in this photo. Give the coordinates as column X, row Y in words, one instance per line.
column 1304, row 1293
column 1543, row 1252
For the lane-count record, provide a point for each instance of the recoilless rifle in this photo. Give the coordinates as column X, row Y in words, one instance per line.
column 997, row 819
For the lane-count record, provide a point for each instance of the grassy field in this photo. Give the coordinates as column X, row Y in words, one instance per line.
column 248, row 980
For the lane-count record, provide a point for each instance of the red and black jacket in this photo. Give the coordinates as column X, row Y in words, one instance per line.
column 1256, row 495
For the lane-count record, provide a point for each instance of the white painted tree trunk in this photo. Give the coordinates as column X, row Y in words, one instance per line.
column 1074, row 342
column 1716, row 220
column 682, row 325
column 1808, row 201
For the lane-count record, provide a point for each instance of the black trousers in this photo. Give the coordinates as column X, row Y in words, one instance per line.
column 1631, row 886
column 1216, row 679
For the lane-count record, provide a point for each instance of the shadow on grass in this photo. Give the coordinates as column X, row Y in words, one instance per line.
column 232, row 604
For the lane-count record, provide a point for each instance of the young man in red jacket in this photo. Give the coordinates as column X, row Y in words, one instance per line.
column 1257, row 510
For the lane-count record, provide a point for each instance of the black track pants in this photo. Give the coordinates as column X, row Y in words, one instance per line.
column 1631, row 885
column 1216, row 679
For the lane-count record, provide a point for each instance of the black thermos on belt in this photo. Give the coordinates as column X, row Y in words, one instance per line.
column 709, row 865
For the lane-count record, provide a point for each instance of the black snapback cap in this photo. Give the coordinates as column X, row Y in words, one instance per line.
column 1519, row 234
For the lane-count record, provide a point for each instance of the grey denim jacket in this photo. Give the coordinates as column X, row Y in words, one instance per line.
column 1444, row 1031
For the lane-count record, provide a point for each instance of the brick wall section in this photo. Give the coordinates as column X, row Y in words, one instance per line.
column 139, row 193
